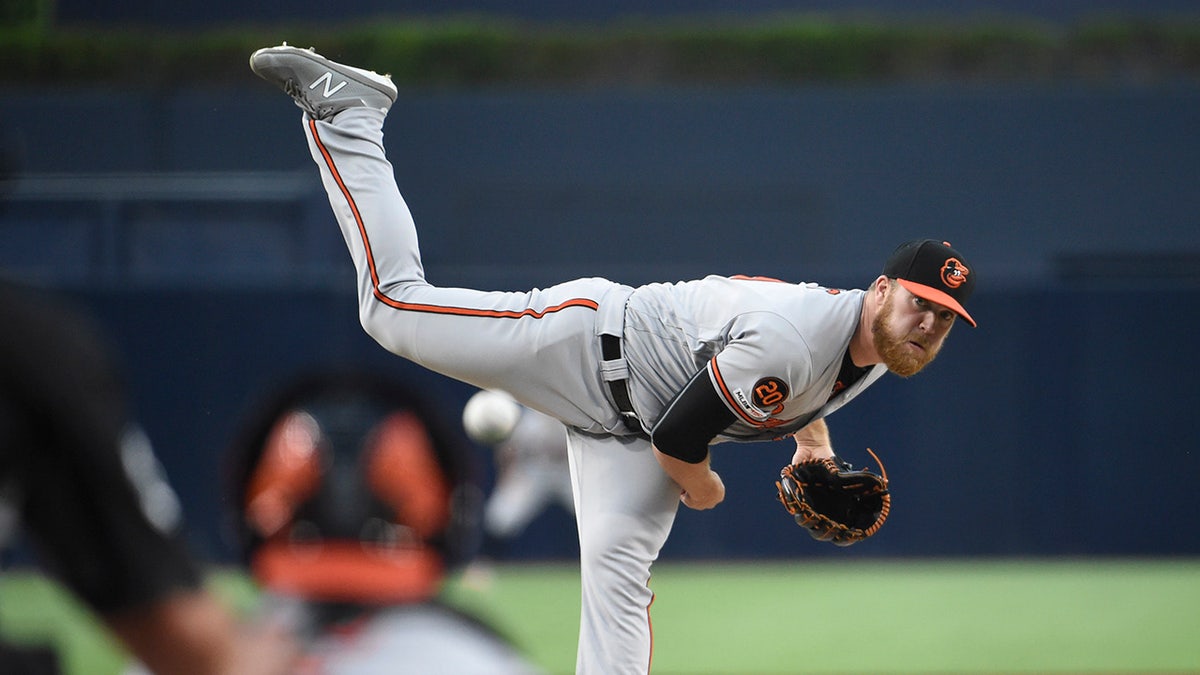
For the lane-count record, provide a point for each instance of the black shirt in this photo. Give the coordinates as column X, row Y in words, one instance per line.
column 63, row 426
column 847, row 375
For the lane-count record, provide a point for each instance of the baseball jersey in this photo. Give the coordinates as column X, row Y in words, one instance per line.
column 771, row 350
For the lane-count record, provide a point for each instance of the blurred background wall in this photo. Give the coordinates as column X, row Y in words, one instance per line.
column 191, row 12
column 190, row 218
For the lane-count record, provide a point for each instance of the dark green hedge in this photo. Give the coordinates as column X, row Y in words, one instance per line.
column 483, row 50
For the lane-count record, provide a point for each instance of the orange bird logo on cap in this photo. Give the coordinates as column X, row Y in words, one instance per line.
column 954, row 273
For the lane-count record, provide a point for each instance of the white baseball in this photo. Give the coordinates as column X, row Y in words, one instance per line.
column 490, row 417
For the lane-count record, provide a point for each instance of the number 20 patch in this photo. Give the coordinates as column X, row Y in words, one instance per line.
column 769, row 394
column 764, row 400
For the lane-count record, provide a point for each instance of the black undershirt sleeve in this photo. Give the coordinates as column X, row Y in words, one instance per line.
column 695, row 416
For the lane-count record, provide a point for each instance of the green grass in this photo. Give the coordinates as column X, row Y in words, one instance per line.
column 37, row 611
column 909, row 616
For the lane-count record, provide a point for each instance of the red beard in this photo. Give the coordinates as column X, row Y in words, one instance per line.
column 896, row 352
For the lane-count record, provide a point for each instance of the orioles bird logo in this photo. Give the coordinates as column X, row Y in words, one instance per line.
column 954, row 273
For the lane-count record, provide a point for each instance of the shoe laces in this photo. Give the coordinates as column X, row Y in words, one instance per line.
column 293, row 89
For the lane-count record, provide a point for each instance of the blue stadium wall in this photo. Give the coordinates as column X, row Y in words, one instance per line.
column 1061, row 426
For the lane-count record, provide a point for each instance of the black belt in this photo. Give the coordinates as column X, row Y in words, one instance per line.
column 610, row 350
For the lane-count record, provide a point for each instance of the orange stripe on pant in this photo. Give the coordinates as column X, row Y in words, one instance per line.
column 417, row 307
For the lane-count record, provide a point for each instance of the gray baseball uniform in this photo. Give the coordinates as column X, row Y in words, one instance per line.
column 769, row 352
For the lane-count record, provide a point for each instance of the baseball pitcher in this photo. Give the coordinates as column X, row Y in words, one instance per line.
column 646, row 378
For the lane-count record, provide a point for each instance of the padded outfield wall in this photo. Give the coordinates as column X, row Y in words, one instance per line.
column 193, row 223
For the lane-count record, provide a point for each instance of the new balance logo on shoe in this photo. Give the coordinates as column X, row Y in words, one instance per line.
column 327, row 79
column 319, row 86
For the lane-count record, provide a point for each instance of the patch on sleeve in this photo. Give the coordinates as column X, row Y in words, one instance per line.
column 770, row 393
column 765, row 399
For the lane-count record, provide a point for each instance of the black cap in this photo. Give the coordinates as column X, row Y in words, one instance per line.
column 933, row 270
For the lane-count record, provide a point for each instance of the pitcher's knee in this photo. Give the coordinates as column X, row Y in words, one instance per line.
column 620, row 569
column 374, row 327
column 385, row 324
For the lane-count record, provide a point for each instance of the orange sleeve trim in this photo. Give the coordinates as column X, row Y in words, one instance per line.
column 728, row 395
column 743, row 277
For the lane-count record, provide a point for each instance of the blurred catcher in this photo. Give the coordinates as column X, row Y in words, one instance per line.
column 353, row 503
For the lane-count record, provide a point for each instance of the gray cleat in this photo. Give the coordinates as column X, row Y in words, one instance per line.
column 319, row 86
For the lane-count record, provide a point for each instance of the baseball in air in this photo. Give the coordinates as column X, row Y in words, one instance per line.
column 490, row 417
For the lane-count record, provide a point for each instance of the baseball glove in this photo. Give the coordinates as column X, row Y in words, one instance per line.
column 833, row 501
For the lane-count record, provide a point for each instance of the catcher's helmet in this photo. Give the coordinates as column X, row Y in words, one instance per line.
column 347, row 488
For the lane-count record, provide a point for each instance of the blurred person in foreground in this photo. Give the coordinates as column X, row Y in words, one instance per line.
column 81, row 480
column 353, row 501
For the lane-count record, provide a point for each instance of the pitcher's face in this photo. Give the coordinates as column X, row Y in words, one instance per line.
column 908, row 331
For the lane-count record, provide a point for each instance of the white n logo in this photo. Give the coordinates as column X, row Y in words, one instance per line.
column 327, row 78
